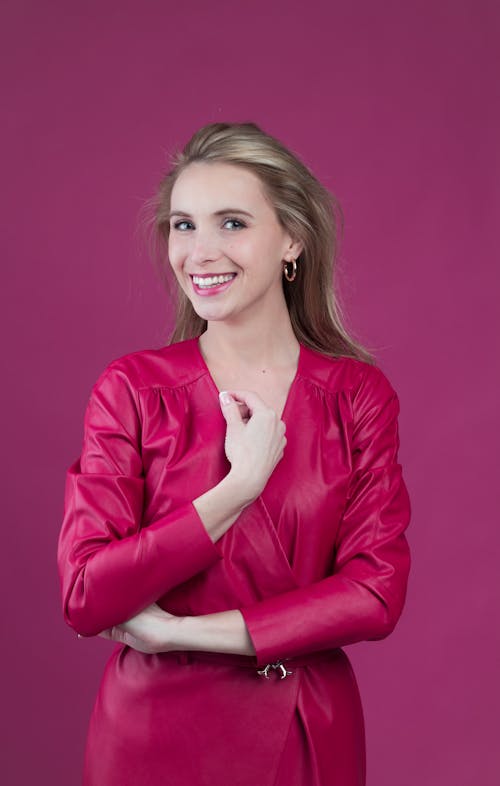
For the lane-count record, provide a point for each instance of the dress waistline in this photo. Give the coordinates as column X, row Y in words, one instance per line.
column 250, row 661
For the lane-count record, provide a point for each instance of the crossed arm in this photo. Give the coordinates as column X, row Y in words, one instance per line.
column 113, row 572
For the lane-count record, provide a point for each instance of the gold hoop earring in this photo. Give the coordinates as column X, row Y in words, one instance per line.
column 290, row 276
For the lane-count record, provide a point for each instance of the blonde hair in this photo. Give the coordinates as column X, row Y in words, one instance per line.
column 304, row 207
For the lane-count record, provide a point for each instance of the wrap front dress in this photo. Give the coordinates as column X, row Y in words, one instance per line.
column 318, row 561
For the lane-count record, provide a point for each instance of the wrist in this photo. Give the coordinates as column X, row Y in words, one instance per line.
column 186, row 634
column 239, row 487
column 222, row 631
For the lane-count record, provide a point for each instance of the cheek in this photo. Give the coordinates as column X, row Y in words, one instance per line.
column 241, row 249
column 175, row 254
column 175, row 265
column 178, row 274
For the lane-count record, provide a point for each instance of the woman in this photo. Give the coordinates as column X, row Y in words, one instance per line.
column 231, row 562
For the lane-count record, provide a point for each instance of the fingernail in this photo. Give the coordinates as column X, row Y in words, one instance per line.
column 225, row 398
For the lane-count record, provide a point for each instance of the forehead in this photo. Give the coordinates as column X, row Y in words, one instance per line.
column 203, row 186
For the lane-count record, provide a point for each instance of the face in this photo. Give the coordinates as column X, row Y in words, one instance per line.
column 226, row 246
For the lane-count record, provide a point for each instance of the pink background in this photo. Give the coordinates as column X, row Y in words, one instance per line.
column 395, row 107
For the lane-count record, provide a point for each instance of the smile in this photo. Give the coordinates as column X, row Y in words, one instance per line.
column 205, row 282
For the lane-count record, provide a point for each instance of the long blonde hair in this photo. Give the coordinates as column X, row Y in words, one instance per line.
column 304, row 207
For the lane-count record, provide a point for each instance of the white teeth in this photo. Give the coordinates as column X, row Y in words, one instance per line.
column 212, row 281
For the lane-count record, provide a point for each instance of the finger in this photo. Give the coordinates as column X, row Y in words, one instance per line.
column 230, row 408
column 244, row 411
column 118, row 632
column 106, row 634
column 252, row 400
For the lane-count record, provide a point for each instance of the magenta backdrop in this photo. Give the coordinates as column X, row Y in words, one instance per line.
column 395, row 107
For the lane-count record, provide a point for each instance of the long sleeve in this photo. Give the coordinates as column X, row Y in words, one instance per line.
column 363, row 597
column 110, row 565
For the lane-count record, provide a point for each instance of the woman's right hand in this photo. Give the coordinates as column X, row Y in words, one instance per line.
column 255, row 440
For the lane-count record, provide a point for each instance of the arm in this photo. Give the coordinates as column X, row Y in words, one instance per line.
column 155, row 630
column 364, row 596
column 110, row 568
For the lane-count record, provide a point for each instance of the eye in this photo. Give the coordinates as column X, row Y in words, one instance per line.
column 182, row 225
column 234, row 222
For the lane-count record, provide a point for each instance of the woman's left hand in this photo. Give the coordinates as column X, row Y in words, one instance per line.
column 150, row 631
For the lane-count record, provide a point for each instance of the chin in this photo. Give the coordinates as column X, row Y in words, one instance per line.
column 210, row 314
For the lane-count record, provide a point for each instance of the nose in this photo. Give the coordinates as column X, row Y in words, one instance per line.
column 204, row 246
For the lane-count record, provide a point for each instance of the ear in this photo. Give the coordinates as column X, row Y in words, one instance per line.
column 293, row 250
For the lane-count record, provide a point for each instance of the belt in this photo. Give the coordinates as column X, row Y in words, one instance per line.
column 284, row 666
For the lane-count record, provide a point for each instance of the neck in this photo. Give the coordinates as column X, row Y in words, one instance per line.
column 265, row 343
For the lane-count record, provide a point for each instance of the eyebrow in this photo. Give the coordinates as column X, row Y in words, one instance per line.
column 226, row 210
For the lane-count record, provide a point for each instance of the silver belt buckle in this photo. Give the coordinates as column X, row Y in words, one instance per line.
column 278, row 666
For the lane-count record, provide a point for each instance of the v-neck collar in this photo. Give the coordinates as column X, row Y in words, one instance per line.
column 291, row 389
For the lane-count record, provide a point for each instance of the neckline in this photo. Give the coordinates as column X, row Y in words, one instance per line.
column 291, row 389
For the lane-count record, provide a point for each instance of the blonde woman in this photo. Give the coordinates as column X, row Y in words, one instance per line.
column 238, row 512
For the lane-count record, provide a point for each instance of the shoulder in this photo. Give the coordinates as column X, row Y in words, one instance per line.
column 356, row 377
column 171, row 366
column 366, row 398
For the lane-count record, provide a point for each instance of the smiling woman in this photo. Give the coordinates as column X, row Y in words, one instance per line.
column 212, row 253
column 238, row 511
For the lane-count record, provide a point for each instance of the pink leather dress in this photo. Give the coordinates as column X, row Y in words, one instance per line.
column 320, row 560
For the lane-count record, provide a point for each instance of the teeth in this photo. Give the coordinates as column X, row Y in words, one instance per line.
column 212, row 281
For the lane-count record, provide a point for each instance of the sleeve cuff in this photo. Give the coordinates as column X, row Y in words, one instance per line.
column 183, row 543
column 277, row 628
